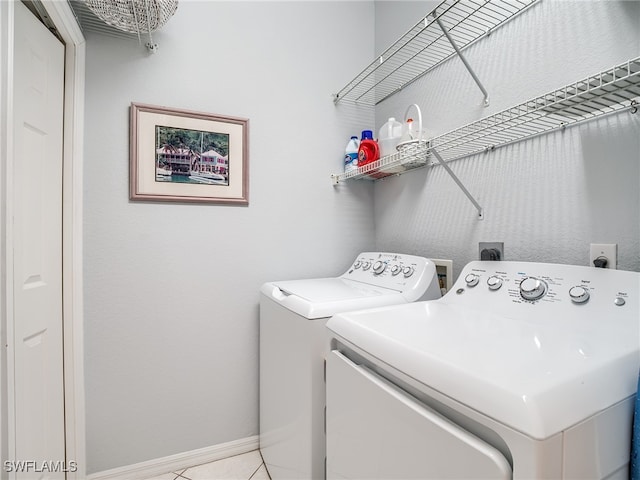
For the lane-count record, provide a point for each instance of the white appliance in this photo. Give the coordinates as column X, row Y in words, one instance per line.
column 293, row 315
column 522, row 370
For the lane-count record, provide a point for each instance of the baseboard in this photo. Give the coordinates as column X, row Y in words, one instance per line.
column 178, row 461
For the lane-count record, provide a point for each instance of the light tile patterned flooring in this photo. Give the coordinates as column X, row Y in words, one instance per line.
column 248, row 466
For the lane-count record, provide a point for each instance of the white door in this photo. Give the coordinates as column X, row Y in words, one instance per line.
column 37, row 254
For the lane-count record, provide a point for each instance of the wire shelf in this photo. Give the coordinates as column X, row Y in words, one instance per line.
column 603, row 93
column 411, row 155
column 425, row 46
column 607, row 92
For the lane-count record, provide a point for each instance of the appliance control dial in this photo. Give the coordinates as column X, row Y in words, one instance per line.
column 379, row 267
column 407, row 271
column 579, row 294
column 532, row 288
column 472, row 279
column 357, row 264
column 366, row 265
column 494, row 282
column 396, row 269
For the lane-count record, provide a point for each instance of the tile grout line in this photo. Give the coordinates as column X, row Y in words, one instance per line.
column 262, row 464
column 179, row 474
column 256, row 470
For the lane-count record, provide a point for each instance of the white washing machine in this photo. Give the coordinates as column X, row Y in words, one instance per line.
column 293, row 341
column 522, row 370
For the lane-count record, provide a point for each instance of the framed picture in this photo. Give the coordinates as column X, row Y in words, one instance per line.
column 185, row 156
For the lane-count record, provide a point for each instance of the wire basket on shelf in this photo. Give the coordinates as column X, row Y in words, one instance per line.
column 414, row 151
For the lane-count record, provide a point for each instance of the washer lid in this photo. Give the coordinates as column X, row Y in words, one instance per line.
column 324, row 297
column 536, row 377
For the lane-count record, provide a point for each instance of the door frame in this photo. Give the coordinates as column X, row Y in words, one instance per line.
column 72, row 303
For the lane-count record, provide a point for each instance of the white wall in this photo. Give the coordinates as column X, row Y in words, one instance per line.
column 171, row 290
column 548, row 198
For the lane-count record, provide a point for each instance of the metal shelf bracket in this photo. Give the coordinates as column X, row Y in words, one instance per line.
column 464, row 60
column 459, row 183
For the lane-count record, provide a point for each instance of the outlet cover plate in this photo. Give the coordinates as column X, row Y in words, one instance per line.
column 497, row 245
column 609, row 250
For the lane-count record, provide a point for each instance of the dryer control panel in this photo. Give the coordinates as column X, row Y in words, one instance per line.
column 552, row 287
column 409, row 274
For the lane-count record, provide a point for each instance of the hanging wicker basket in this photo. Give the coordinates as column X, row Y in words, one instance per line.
column 134, row 16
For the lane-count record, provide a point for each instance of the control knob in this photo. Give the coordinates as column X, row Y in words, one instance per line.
column 494, row 282
column 407, row 271
column 532, row 288
column 579, row 294
column 366, row 265
column 472, row 279
column 379, row 267
column 396, row 269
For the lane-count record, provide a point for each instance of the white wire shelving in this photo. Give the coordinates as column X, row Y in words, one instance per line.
column 609, row 91
column 414, row 155
column 613, row 90
column 446, row 32
column 443, row 33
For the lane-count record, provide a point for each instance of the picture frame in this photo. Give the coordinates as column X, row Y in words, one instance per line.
column 187, row 156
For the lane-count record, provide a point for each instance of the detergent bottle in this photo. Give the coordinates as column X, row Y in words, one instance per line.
column 351, row 154
column 390, row 134
column 369, row 151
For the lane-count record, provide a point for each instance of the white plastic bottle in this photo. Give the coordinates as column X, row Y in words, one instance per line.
column 390, row 134
column 351, row 154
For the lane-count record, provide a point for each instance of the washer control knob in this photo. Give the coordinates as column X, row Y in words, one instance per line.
column 494, row 282
column 619, row 301
column 357, row 264
column 379, row 267
column 532, row 288
column 472, row 279
column 579, row 294
column 396, row 269
column 407, row 271
column 366, row 265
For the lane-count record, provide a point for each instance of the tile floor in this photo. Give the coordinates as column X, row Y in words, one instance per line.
column 248, row 466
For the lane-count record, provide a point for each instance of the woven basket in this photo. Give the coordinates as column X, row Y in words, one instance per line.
column 134, row 16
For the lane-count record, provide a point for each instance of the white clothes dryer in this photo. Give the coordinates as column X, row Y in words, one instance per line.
column 293, row 341
column 522, row 370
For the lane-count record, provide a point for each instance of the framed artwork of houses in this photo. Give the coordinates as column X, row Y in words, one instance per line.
column 186, row 156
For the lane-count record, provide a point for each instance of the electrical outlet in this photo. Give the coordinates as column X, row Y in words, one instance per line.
column 604, row 250
column 491, row 250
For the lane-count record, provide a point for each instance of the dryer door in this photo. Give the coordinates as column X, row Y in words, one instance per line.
column 377, row 431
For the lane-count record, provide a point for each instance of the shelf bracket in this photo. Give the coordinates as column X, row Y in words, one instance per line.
column 464, row 60
column 459, row 183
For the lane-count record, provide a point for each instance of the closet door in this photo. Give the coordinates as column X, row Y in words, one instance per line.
column 377, row 431
column 38, row 397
